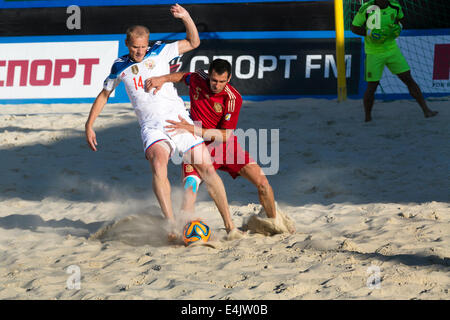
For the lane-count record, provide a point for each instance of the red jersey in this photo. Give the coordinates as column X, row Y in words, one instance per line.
column 215, row 111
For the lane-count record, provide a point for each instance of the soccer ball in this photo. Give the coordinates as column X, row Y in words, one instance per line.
column 194, row 231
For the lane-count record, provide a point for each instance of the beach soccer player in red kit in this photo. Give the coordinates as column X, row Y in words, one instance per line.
column 215, row 107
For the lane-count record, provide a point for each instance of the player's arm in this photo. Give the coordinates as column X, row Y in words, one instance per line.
column 157, row 82
column 358, row 26
column 97, row 107
column 192, row 40
column 360, row 31
column 220, row 135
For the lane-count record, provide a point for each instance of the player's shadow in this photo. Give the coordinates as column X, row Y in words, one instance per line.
column 414, row 260
column 331, row 159
column 138, row 229
column 308, row 170
column 63, row 227
column 25, row 130
column 66, row 168
column 418, row 259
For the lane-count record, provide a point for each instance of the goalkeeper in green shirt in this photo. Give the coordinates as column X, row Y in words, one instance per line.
column 379, row 21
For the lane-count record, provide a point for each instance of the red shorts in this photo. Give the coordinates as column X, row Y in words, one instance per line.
column 228, row 157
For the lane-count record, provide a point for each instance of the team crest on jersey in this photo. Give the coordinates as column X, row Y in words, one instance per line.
column 150, row 64
column 228, row 117
column 135, row 69
column 218, row 107
column 189, row 168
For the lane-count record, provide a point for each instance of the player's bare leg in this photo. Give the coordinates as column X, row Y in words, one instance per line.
column 416, row 93
column 369, row 99
column 189, row 198
column 158, row 156
column 255, row 175
column 200, row 159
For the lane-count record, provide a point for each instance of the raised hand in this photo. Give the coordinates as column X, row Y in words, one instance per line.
column 179, row 12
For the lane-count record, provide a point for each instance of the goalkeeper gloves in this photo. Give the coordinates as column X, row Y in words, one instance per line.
column 381, row 35
column 395, row 30
column 377, row 35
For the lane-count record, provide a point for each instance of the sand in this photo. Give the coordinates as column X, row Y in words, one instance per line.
column 370, row 204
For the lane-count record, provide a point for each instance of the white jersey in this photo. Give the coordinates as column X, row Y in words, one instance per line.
column 151, row 109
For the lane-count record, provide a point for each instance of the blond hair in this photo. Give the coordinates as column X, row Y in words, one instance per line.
column 137, row 31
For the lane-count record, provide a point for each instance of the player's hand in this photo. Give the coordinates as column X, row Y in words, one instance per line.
column 179, row 127
column 395, row 30
column 91, row 138
column 155, row 82
column 179, row 12
column 377, row 35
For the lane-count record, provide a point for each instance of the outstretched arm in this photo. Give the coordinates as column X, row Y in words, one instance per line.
column 97, row 107
column 192, row 40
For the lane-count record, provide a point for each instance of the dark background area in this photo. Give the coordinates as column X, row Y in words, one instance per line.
column 211, row 17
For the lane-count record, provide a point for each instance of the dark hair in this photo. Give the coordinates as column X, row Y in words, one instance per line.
column 220, row 66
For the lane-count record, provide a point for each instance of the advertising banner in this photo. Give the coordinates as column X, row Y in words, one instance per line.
column 55, row 69
column 68, row 71
column 429, row 59
column 277, row 67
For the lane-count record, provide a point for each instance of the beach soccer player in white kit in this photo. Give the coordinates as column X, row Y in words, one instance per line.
column 152, row 111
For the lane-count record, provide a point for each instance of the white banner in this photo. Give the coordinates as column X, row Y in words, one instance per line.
column 55, row 69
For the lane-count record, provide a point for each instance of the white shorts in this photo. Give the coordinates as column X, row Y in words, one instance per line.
column 182, row 142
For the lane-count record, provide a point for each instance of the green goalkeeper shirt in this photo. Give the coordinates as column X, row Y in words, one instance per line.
column 391, row 14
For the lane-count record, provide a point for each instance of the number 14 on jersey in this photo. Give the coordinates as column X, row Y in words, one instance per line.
column 139, row 83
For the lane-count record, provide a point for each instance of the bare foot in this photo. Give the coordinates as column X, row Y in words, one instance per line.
column 172, row 237
column 368, row 113
column 430, row 114
column 172, row 234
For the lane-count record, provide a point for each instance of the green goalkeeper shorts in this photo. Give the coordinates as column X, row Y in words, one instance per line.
column 392, row 59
